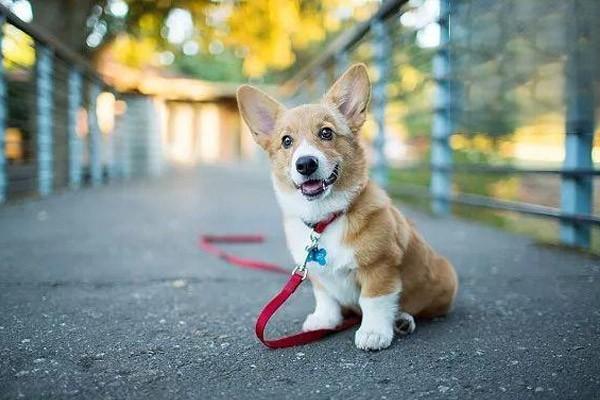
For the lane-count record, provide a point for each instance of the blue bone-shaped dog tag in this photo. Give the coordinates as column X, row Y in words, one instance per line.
column 318, row 255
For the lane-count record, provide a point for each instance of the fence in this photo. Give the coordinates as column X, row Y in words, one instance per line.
column 61, row 125
column 452, row 77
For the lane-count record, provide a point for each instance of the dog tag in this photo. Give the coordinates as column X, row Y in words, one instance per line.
column 318, row 255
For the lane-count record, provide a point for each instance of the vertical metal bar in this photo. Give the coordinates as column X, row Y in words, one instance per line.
column 75, row 150
column 342, row 62
column 577, row 191
column 3, row 113
column 95, row 135
column 307, row 93
column 118, row 149
column 123, row 129
column 113, row 169
column 441, row 152
column 44, row 99
column 381, row 47
column 112, row 149
column 322, row 82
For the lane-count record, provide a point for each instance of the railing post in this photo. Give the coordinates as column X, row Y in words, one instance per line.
column 44, row 100
column 322, row 82
column 382, row 57
column 75, row 153
column 95, row 135
column 122, row 130
column 441, row 152
column 112, row 166
column 3, row 113
column 577, row 191
column 341, row 63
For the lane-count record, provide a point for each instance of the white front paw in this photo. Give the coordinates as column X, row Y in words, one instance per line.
column 317, row 321
column 369, row 338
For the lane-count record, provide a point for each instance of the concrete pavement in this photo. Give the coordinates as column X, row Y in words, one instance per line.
column 104, row 294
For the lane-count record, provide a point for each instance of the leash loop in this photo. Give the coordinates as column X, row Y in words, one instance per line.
column 301, row 270
column 299, row 274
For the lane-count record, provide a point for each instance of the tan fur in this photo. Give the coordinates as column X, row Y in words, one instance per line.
column 390, row 253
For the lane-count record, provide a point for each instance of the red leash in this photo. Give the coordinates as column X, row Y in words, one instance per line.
column 206, row 244
column 297, row 277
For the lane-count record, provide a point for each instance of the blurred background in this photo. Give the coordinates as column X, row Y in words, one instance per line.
column 480, row 107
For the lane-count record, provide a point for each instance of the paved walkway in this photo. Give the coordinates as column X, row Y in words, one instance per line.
column 103, row 293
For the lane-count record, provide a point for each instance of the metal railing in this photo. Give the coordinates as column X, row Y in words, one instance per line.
column 61, row 125
column 438, row 101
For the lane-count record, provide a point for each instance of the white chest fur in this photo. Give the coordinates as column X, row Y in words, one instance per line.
column 338, row 277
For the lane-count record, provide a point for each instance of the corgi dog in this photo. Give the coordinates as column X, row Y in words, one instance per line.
column 377, row 264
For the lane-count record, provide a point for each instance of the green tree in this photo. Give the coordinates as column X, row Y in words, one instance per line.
column 249, row 37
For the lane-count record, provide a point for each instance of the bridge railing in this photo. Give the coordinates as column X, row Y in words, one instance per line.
column 454, row 76
column 61, row 125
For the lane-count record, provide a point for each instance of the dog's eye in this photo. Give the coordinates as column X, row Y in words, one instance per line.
column 326, row 133
column 286, row 141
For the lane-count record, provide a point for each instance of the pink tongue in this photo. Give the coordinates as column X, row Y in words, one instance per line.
column 311, row 187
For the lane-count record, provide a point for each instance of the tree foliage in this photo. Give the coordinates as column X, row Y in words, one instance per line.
column 244, row 38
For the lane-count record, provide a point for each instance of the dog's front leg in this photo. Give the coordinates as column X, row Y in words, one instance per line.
column 328, row 312
column 379, row 299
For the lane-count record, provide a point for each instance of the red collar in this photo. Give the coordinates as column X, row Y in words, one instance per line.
column 320, row 226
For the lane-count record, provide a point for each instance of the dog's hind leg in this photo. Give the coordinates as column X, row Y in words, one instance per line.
column 405, row 323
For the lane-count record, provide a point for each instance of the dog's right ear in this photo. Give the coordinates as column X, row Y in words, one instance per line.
column 260, row 111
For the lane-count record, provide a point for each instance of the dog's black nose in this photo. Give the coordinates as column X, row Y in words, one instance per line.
column 306, row 165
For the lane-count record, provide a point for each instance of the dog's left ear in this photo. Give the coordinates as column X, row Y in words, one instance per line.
column 350, row 94
column 260, row 111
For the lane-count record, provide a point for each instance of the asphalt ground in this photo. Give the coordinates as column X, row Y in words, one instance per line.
column 105, row 294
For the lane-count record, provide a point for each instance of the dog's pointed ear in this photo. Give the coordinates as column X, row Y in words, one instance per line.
column 260, row 112
column 350, row 94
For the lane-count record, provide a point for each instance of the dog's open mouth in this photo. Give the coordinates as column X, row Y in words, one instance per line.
column 314, row 187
